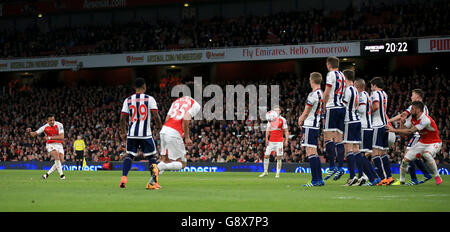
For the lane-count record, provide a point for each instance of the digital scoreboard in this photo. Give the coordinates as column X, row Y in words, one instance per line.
column 389, row 47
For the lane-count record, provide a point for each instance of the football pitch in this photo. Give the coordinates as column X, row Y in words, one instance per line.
column 26, row 191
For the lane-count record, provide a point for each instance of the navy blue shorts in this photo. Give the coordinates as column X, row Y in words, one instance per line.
column 146, row 145
column 334, row 120
column 310, row 137
column 380, row 138
column 352, row 132
column 367, row 140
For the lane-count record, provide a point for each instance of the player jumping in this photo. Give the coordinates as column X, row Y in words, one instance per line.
column 334, row 110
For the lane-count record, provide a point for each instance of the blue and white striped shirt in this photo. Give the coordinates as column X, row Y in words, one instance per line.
column 351, row 104
column 379, row 116
column 137, row 107
column 315, row 100
column 336, row 80
column 365, row 110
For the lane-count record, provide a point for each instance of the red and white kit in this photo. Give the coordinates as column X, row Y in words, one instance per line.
column 429, row 137
column 172, row 131
column 276, row 136
column 49, row 131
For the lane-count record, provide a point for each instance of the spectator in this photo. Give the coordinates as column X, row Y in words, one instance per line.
column 292, row 27
column 96, row 119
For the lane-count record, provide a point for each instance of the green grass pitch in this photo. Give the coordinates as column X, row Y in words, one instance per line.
column 26, row 191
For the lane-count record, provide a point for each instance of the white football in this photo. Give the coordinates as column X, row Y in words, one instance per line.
column 271, row 115
column 391, row 139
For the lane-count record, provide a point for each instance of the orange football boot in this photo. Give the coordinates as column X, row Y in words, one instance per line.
column 382, row 182
column 123, row 182
column 389, row 181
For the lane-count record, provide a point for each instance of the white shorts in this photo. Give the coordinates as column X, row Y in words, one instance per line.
column 277, row 147
column 419, row 148
column 55, row 146
column 173, row 147
column 413, row 141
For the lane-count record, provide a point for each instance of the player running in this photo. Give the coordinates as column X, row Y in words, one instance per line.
column 380, row 136
column 137, row 111
column 334, row 110
column 309, row 121
column 54, row 136
column 365, row 147
column 427, row 146
column 352, row 129
column 176, row 127
column 274, row 141
column 416, row 95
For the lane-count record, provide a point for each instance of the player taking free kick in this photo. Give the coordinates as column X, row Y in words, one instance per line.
column 54, row 134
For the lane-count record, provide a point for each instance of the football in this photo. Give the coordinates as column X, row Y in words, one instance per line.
column 271, row 115
column 391, row 139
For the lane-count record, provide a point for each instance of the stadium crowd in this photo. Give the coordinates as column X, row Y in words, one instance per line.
column 292, row 27
column 93, row 112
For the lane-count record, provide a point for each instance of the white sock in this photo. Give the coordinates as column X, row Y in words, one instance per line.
column 431, row 164
column 403, row 170
column 58, row 167
column 279, row 162
column 266, row 164
column 161, row 166
column 175, row 165
column 52, row 169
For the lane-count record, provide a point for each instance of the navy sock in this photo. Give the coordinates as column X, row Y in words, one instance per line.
column 340, row 150
column 312, row 167
column 151, row 160
column 412, row 170
column 386, row 166
column 126, row 166
column 368, row 168
column 318, row 168
column 359, row 164
column 378, row 167
column 331, row 153
column 351, row 164
column 422, row 167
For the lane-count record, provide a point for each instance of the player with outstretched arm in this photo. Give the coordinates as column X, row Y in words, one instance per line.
column 54, row 136
column 427, row 146
column 416, row 95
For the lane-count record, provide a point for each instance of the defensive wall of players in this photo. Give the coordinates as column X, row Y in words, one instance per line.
column 392, row 47
column 444, row 169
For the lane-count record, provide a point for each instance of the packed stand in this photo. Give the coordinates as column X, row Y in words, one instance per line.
column 292, row 27
column 94, row 111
